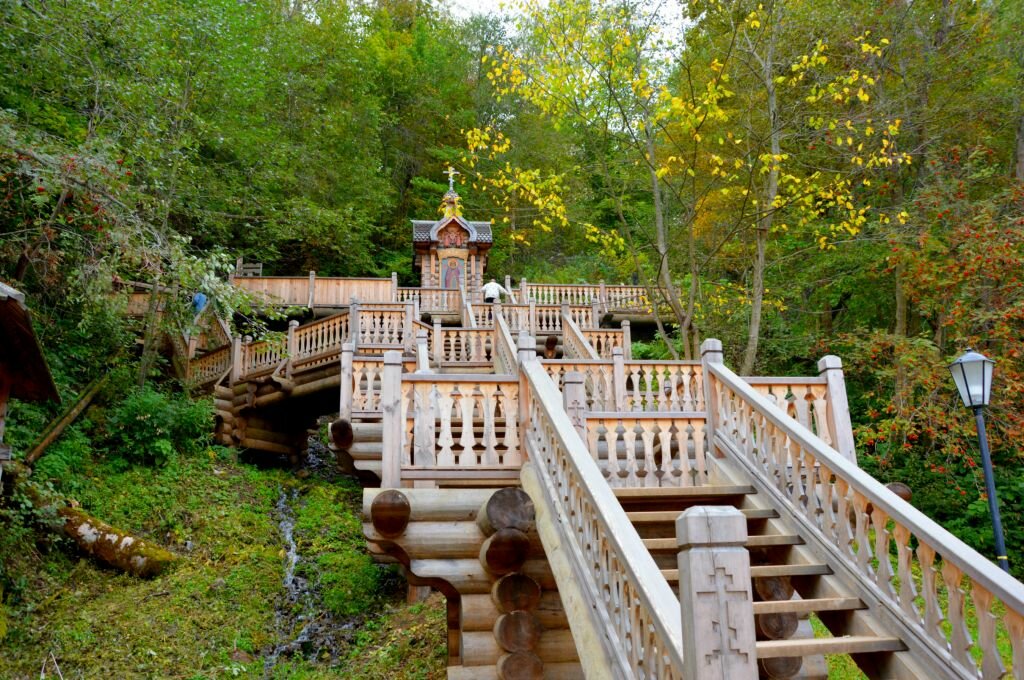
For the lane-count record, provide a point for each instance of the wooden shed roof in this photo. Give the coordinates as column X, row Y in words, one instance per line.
column 20, row 353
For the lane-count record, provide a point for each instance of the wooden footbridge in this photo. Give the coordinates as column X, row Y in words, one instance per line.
column 589, row 515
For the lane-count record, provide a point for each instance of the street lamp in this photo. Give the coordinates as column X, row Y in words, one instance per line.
column 972, row 374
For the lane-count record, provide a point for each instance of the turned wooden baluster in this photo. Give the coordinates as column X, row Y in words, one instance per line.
column 611, row 437
column 991, row 662
column 467, row 440
column 844, row 537
column 960, row 638
column 509, row 404
column 860, row 504
column 904, row 572
column 1015, row 627
column 445, row 403
column 650, row 469
column 665, row 441
column 490, row 455
column 929, row 591
column 883, row 572
column 629, row 439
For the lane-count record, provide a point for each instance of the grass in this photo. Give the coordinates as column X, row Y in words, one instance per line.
column 213, row 615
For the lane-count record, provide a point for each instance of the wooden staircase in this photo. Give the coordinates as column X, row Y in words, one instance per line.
column 790, row 582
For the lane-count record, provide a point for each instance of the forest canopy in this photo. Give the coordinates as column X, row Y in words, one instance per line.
column 793, row 177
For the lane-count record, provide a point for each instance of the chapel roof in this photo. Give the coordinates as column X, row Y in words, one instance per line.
column 425, row 231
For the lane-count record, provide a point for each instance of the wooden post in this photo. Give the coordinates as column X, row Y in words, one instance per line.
column 391, row 406
column 508, row 286
column 619, row 379
column 394, row 287
column 292, row 347
column 710, row 353
column 533, row 318
column 627, row 340
column 831, row 368
column 595, row 312
column 574, row 399
column 523, row 290
column 353, row 322
column 565, row 312
column 422, row 353
column 347, row 377
column 236, row 359
column 408, row 338
column 714, row 588
column 438, row 344
column 602, row 295
column 526, row 346
column 312, row 289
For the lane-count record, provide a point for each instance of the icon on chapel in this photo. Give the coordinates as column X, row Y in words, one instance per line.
column 451, row 252
column 453, row 273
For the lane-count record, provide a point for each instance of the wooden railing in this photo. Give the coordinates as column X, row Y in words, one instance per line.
column 313, row 291
column 449, row 427
column 383, row 326
column 606, row 298
column 431, row 299
column 598, row 380
column 361, row 383
column 636, row 614
column 946, row 600
column 209, row 367
column 662, row 386
column 665, row 449
column 258, row 358
column 604, row 340
column 317, row 343
column 454, row 346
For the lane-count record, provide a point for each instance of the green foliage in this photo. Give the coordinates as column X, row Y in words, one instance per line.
column 328, row 527
column 149, row 426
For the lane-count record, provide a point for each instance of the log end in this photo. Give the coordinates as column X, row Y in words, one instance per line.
column 517, row 631
column 515, row 591
column 505, row 551
column 390, row 512
column 342, row 434
column 520, row 666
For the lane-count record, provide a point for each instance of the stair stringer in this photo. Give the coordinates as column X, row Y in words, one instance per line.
column 589, row 625
column 919, row 661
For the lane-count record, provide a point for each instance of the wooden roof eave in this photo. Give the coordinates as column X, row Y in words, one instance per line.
column 21, row 355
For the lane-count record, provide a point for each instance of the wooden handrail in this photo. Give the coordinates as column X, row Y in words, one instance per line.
column 821, row 489
column 505, row 359
column 574, row 344
column 642, row 623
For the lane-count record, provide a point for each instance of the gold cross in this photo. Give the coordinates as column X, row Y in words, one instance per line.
column 451, row 177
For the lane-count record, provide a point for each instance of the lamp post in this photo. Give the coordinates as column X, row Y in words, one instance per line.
column 972, row 374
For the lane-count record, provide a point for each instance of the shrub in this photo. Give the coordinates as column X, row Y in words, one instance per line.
column 151, row 427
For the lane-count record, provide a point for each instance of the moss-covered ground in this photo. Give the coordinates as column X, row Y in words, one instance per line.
column 222, row 609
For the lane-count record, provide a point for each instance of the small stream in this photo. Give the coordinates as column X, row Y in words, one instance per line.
column 301, row 626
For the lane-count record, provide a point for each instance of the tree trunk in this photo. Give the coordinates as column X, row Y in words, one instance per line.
column 764, row 222
column 1019, row 171
column 661, row 233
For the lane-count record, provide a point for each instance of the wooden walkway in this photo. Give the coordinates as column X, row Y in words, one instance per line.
column 564, row 496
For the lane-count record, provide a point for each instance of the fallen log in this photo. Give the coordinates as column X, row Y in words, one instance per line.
column 114, row 546
column 99, row 540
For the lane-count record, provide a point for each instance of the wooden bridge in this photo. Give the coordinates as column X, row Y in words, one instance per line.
column 589, row 515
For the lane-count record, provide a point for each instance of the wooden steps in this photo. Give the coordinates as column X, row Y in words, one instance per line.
column 817, row 604
column 770, row 540
column 847, row 644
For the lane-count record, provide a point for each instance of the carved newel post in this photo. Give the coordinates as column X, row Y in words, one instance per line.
column 714, row 590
